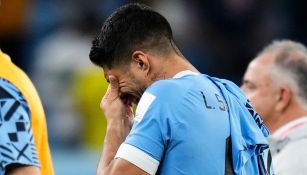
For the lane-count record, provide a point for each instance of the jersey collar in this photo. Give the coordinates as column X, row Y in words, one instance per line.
column 184, row 73
column 3, row 55
column 284, row 131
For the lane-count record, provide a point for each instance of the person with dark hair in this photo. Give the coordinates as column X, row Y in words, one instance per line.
column 185, row 122
column 276, row 84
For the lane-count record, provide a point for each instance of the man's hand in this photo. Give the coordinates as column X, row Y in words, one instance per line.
column 119, row 114
column 118, row 111
column 18, row 169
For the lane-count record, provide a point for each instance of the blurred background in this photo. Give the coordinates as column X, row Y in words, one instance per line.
column 51, row 39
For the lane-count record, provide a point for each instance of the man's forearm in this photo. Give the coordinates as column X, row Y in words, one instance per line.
column 115, row 135
column 119, row 121
column 23, row 170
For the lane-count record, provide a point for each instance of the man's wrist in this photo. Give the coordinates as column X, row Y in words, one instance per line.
column 115, row 123
column 116, row 128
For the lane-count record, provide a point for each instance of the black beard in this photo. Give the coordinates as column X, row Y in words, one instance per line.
column 133, row 98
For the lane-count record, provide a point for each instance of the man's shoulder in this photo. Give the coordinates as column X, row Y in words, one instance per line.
column 295, row 141
column 175, row 86
column 164, row 93
column 289, row 158
column 298, row 138
column 300, row 132
column 16, row 136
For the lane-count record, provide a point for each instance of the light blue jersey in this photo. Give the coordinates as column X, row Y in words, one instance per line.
column 181, row 126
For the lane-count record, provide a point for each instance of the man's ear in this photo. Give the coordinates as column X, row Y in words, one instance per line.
column 284, row 98
column 141, row 60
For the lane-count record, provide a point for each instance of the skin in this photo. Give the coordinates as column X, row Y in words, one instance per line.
column 127, row 84
column 257, row 82
column 276, row 103
column 23, row 170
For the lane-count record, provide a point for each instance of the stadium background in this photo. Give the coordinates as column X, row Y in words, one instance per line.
column 50, row 40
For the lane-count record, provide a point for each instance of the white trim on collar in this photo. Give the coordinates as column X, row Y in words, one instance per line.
column 184, row 73
column 283, row 131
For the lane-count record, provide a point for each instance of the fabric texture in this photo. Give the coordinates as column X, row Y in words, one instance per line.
column 182, row 123
column 288, row 145
column 250, row 149
column 20, row 80
column 185, row 123
column 16, row 138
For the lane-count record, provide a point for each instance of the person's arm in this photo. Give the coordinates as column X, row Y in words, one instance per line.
column 18, row 151
column 119, row 118
column 22, row 170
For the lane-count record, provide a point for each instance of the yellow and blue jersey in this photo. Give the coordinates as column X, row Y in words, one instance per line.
column 16, row 137
column 23, row 128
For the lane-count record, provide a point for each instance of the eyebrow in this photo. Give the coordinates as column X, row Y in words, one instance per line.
column 245, row 81
column 248, row 82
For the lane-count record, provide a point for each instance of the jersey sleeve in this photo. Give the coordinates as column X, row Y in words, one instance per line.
column 16, row 138
column 145, row 144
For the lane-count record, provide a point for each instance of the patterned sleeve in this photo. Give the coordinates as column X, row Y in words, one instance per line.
column 16, row 138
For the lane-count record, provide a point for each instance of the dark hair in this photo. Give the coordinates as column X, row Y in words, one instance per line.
column 132, row 26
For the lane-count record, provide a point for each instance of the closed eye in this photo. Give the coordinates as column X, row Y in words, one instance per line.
column 248, row 85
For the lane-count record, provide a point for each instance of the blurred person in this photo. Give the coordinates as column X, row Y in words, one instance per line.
column 186, row 122
column 87, row 87
column 275, row 83
column 53, row 74
column 24, row 145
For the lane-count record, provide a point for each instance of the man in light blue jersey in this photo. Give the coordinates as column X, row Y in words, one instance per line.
column 186, row 122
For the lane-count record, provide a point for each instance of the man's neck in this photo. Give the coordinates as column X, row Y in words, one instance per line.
column 171, row 66
column 287, row 116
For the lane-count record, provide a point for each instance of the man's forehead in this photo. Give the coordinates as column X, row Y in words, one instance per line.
column 266, row 59
column 258, row 73
column 262, row 63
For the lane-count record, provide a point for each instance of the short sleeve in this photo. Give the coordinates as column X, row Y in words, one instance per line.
column 145, row 144
column 16, row 138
